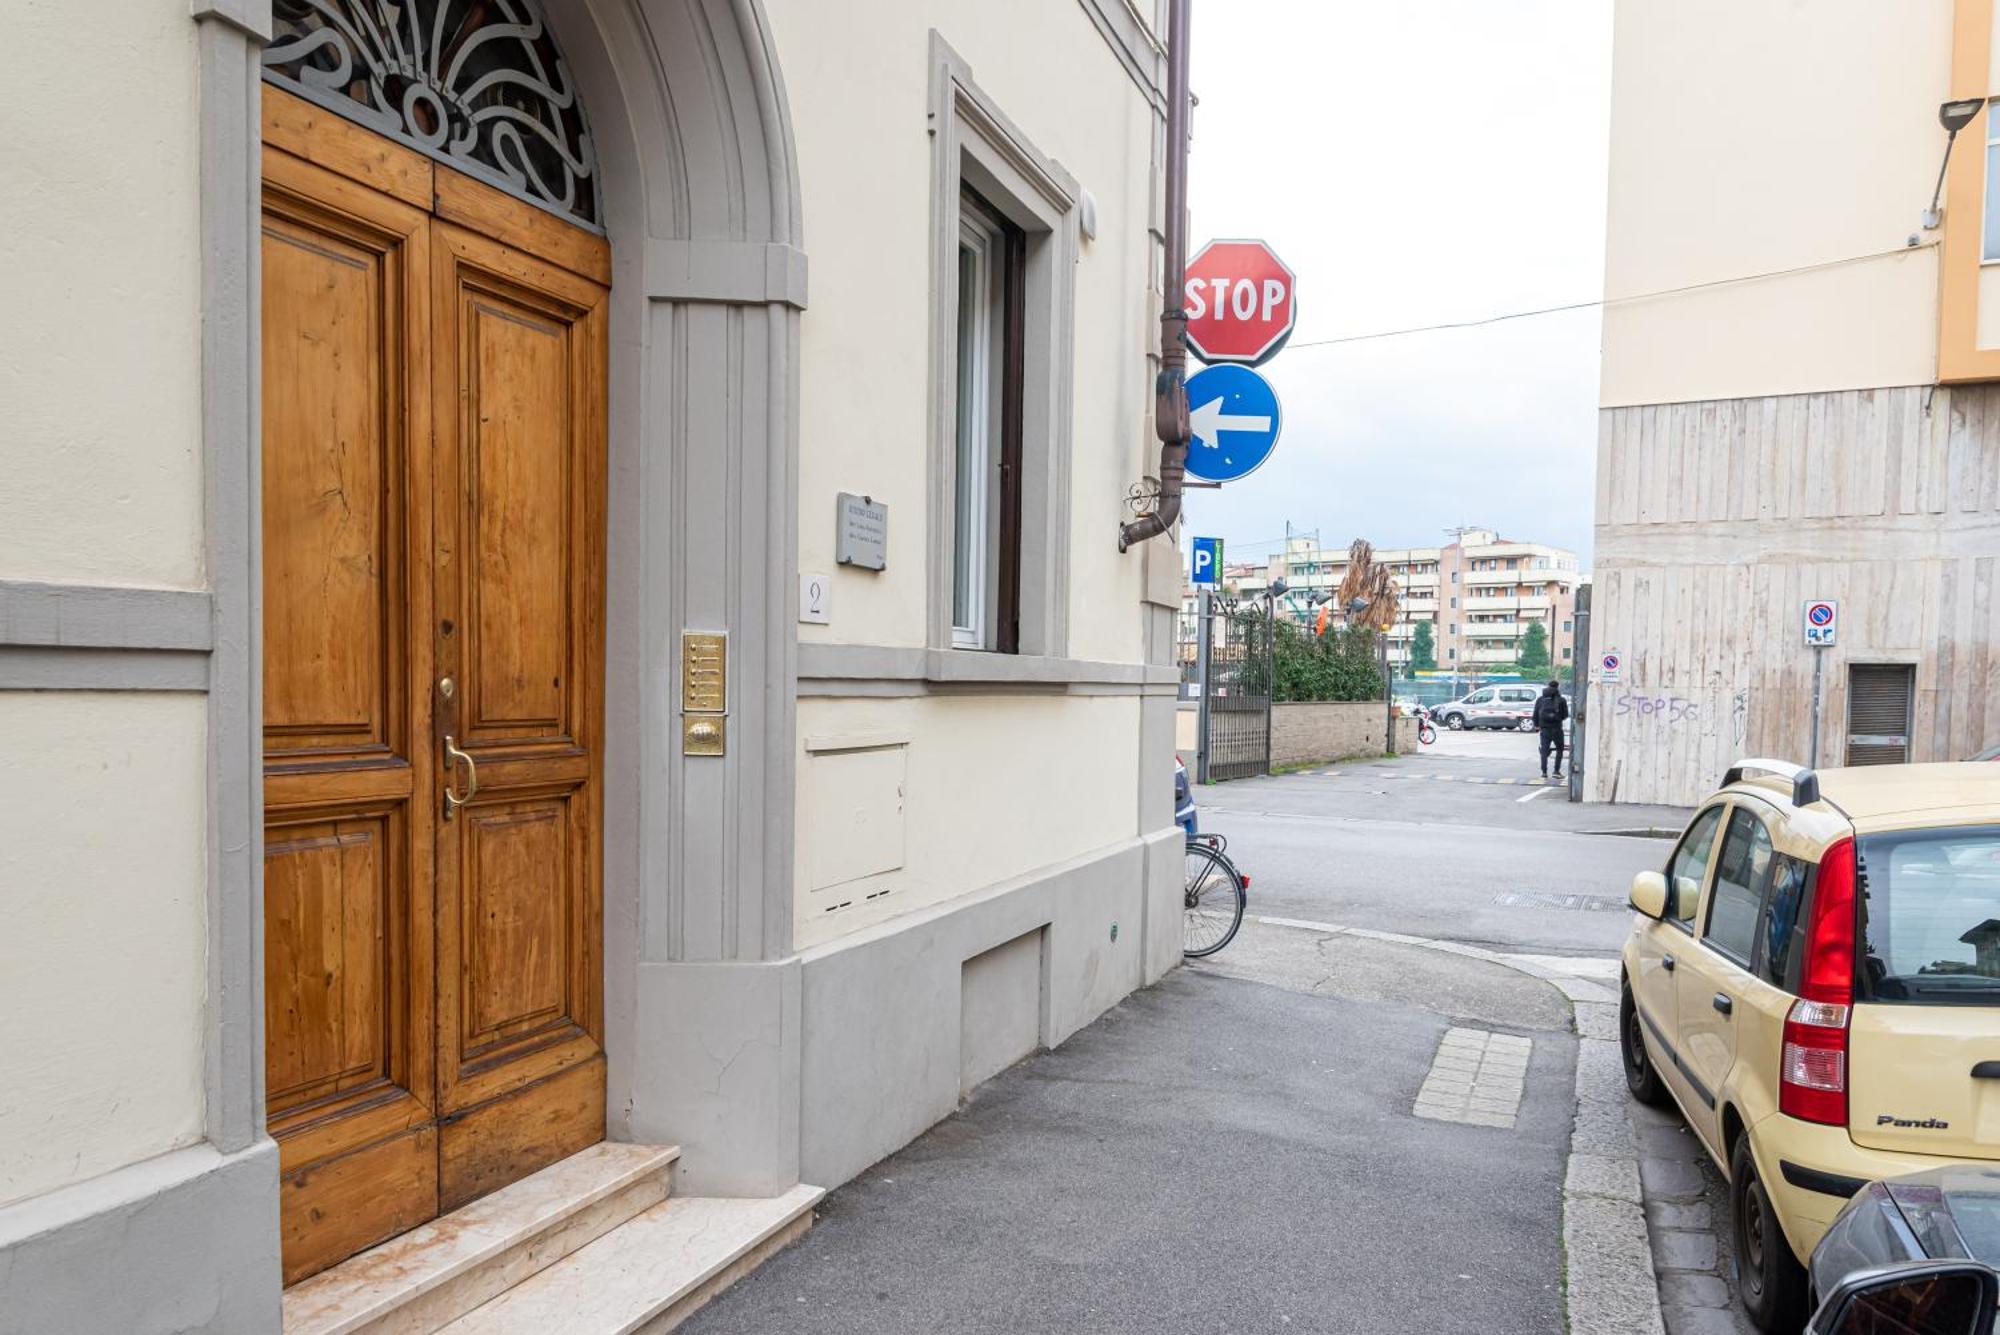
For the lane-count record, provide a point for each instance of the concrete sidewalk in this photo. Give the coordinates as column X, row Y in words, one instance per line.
column 1214, row 1155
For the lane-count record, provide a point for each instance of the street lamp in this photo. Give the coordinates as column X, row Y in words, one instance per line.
column 1953, row 116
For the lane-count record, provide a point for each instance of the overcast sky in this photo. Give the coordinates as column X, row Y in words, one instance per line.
column 1414, row 164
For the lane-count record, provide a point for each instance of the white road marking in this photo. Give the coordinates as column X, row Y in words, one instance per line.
column 1476, row 1078
column 1331, row 929
column 1531, row 796
column 1576, row 977
column 1601, row 967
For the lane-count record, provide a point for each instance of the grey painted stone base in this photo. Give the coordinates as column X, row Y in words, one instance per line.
column 883, row 1056
column 813, row 1067
column 1165, row 927
column 715, row 1070
column 184, row 1242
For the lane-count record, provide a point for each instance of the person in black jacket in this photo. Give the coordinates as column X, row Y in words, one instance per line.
column 1551, row 712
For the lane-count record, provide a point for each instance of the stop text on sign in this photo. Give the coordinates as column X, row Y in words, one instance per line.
column 1241, row 302
column 1239, row 298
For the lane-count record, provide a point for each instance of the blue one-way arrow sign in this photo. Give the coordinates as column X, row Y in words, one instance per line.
column 1234, row 412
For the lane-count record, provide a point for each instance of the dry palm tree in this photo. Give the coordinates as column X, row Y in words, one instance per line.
column 1359, row 582
column 1367, row 595
column 1386, row 603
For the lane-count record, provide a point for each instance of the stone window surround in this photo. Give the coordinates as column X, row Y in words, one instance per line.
column 974, row 144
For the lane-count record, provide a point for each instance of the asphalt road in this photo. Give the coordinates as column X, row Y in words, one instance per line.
column 1460, row 842
column 1213, row 1155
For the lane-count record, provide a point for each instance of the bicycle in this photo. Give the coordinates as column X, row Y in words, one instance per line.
column 1427, row 732
column 1216, row 896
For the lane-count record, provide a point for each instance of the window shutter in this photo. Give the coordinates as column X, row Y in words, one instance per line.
column 1878, row 713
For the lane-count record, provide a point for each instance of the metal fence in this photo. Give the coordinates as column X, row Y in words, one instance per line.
column 1232, row 663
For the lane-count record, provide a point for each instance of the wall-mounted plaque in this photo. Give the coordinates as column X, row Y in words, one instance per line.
column 861, row 532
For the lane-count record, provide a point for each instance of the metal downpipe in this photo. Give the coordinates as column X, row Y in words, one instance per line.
column 1170, row 406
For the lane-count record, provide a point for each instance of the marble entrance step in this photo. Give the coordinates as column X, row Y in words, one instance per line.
column 424, row 1279
column 650, row 1273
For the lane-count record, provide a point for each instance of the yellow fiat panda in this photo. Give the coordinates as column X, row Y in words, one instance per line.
column 1814, row 977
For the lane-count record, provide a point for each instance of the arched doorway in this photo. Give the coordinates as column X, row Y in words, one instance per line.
column 435, row 283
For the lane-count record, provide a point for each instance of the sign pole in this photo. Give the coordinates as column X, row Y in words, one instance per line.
column 1819, row 660
column 1822, row 626
column 1204, row 636
column 1270, row 670
column 1579, row 677
column 1388, row 698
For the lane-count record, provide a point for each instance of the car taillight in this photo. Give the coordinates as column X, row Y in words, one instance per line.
column 1812, row 1075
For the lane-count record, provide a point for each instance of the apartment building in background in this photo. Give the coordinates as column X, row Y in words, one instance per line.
column 1480, row 592
column 1801, row 391
column 424, row 787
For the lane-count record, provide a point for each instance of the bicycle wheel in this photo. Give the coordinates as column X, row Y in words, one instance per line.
column 1215, row 901
column 1426, row 734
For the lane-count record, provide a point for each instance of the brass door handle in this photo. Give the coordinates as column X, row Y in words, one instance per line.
column 452, row 756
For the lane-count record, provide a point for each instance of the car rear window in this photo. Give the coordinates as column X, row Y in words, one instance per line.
column 1978, row 1220
column 1930, row 914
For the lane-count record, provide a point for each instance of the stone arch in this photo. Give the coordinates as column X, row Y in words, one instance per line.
column 694, row 145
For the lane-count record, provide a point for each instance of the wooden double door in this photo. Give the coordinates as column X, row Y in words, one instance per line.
column 433, row 476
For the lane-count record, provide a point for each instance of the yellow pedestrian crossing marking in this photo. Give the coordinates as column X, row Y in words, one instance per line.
column 1505, row 781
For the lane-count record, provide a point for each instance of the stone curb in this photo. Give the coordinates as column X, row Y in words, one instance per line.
column 1611, row 1287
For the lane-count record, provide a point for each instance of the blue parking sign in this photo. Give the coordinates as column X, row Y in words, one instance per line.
column 1205, row 564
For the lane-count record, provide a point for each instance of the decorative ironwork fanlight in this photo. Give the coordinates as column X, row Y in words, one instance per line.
column 476, row 83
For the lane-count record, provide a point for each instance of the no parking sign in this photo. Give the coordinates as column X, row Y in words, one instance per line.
column 1609, row 665
column 1822, row 619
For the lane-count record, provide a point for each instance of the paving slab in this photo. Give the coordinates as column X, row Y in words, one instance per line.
column 1700, row 1321
column 1683, row 1289
column 1679, row 1214
column 1684, row 1249
column 1672, row 1179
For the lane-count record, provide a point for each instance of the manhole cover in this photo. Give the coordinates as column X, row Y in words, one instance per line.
column 1538, row 899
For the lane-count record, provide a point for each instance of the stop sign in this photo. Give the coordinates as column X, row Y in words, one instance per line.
column 1241, row 302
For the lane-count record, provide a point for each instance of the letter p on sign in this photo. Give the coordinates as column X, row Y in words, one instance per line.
column 1205, row 563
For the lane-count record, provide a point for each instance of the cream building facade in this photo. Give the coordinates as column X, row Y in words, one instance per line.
column 808, row 870
column 1797, row 391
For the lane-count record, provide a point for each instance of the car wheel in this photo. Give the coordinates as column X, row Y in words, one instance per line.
column 1456, row 722
column 1640, row 1077
column 1527, row 725
column 1770, row 1278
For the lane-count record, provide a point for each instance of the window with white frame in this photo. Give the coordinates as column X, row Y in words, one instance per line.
column 986, row 502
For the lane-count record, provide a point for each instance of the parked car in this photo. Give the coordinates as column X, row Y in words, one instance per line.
column 1922, row 1298
column 1940, row 1214
column 1814, row 977
column 1510, row 706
